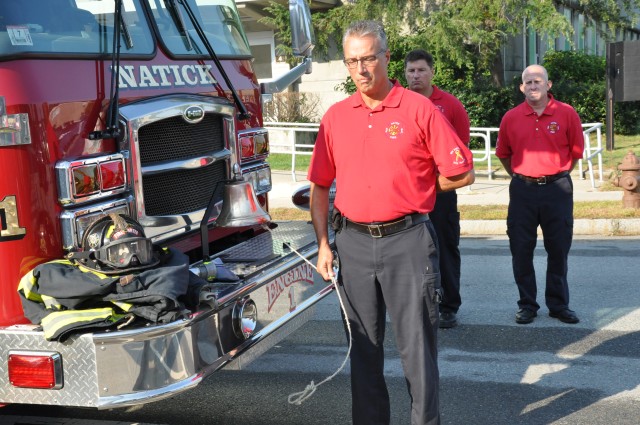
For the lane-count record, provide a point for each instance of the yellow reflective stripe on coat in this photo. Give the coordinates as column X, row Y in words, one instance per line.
column 54, row 322
column 82, row 268
column 51, row 303
column 124, row 306
column 29, row 287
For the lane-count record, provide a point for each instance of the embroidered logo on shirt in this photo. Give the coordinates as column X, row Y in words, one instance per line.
column 553, row 127
column 440, row 108
column 458, row 157
column 394, row 130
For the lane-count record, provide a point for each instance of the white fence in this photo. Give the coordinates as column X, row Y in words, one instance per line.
column 286, row 142
column 282, row 137
column 591, row 151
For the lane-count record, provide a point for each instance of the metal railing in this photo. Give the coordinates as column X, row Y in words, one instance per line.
column 290, row 146
column 479, row 155
column 591, row 151
column 486, row 153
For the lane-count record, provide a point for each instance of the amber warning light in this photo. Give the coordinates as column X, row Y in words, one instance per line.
column 252, row 145
column 98, row 177
column 35, row 370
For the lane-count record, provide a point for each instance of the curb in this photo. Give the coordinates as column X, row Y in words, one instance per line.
column 604, row 227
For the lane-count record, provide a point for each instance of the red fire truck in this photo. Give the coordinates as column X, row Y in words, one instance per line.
column 151, row 109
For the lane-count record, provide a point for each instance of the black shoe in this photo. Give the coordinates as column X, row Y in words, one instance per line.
column 448, row 320
column 566, row 316
column 524, row 316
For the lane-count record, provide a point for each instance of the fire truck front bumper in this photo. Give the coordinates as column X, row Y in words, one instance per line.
column 144, row 364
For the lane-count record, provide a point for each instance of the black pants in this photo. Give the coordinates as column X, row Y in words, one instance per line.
column 399, row 274
column 551, row 207
column 446, row 220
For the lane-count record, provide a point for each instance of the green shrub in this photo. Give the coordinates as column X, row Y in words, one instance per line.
column 484, row 103
column 626, row 118
column 579, row 79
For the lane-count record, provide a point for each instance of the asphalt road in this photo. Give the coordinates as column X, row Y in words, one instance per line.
column 493, row 371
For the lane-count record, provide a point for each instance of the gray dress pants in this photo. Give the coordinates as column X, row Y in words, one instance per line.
column 398, row 274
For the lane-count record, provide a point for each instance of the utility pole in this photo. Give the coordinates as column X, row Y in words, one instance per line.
column 611, row 74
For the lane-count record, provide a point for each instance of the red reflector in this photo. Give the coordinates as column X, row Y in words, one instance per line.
column 112, row 174
column 246, row 144
column 31, row 371
column 85, row 180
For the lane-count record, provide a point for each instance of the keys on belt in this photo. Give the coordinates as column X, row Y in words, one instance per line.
column 379, row 230
column 542, row 180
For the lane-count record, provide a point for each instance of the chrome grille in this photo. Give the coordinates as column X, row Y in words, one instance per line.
column 173, row 138
column 182, row 191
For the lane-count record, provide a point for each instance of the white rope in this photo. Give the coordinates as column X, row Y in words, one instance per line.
column 299, row 397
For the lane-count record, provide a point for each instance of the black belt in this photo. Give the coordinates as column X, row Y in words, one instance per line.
column 542, row 180
column 382, row 229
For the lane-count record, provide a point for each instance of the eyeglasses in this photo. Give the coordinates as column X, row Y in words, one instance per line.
column 367, row 61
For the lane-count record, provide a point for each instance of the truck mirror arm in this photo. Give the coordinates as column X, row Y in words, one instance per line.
column 281, row 83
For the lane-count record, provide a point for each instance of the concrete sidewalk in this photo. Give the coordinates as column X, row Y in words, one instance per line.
column 489, row 192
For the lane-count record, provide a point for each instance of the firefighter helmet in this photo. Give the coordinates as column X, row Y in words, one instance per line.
column 116, row 244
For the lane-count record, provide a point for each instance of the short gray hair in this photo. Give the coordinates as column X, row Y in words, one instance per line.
column 367, row 29
column 542, row 68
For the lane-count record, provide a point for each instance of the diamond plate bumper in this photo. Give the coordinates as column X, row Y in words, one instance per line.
column 140, row 365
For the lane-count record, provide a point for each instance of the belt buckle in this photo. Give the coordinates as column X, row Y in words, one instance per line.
column 542, row 180
column 375, row 230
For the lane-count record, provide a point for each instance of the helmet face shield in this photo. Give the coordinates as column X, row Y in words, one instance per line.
column 126, row 252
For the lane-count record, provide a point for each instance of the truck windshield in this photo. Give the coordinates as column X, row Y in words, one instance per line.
column 218, row 18
column 43, row 28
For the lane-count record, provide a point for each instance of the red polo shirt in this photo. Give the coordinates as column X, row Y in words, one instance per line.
column 540, row 145
column 454, row 111
column 385, row 160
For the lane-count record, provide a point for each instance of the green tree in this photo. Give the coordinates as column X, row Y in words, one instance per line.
column 466, row 38
column 471, row 32
column 278, row 19
column 463, row 34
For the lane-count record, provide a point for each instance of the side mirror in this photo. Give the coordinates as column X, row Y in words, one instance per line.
column 302, row 44
column 301, row 198
column 302, row 36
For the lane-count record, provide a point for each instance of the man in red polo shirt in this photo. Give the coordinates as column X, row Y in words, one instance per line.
column 389, row 150
column 539, row 143
column 418, row 69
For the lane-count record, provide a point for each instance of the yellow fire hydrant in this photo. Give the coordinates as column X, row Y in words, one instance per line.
column 629, row 180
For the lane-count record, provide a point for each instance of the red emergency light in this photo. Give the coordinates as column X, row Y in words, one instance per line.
column 35, row 369
column 246, row 146
column 112, row 175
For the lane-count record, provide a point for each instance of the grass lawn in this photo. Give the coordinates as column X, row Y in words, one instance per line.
column 623, row 144
column 282, row 161
column 588, row 210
